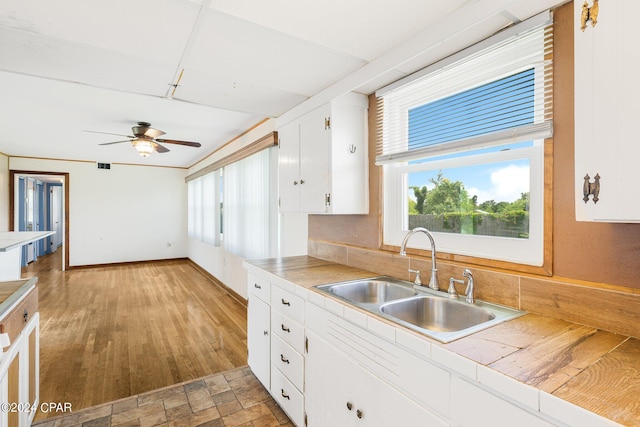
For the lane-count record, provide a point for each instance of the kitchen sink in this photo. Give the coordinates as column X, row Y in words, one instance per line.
column 429, row 312
column 370, row 291
column 437, row 314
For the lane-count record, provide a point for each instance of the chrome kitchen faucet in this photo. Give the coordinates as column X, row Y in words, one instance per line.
column 433, row 283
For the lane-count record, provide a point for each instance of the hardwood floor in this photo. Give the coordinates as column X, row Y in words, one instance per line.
column 116, row 331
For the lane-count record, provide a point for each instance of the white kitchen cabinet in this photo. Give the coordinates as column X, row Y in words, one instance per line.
column 323, row 160
column 476, row 406
column 606, row 94
column 275, row 335
column 19, row 365
column 287, row 352
column 259, row 329
column 339, row 392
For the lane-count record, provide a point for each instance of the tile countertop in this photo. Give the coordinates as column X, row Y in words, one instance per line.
column 591, row 368
column 12, row 292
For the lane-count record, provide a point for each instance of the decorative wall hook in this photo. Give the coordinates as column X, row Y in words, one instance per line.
column 591, row 188
column 589, row 14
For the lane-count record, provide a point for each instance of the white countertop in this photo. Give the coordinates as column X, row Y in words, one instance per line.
column 14, row 239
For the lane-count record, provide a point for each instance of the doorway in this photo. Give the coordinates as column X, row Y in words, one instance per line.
column 39, row 201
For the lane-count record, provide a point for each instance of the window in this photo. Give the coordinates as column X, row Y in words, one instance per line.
column 204, row 208
column 249, row 206
column 463, row 145
column 232, row 200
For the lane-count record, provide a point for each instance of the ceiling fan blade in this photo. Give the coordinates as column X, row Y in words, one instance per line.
column 161, row 149
column 115, row 142
column 109, row 133
column 175, row 141
column 145, row 129
column 153, row 133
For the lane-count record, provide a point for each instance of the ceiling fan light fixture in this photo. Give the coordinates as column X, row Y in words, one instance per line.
column 144, row 147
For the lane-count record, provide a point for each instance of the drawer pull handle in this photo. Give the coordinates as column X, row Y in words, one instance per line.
column 349, row 405
column 255, row 285
column 266, row 333
column 285, row 395
column 284, row 328
column 285, row 302
column 283, row 359
column 26, row 316
column 359, row 413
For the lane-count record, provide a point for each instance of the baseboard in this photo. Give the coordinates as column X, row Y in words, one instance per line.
column 233, row 294
column 124, row 263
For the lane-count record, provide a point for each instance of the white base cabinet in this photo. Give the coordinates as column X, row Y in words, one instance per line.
column 332, row 365
column 20, row 376
column 275, row 341
column 606, row 92
column 259, row 328
column 287, row 349
column 323, row 160
column 259, row 339
column 475, row 406
column 339, row 392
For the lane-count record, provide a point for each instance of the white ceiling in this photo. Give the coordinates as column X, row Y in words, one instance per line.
column 72, row 65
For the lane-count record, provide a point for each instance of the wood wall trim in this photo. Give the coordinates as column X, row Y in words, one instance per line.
column 266, row 141
column 260, row 123
column 94, row 162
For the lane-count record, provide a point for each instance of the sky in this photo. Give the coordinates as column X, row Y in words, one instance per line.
column 504, row 181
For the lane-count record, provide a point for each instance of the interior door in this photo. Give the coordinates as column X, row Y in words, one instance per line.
column 56, row 216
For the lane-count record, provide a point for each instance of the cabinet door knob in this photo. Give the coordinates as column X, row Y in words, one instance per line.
column 301, row 181
column 284, row 328
column 283, row 359
column 285, row 395
column 359, row 413
column 295, row 182
column 349, row 405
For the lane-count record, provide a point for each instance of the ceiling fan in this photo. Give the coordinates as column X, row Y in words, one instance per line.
column 145, row 139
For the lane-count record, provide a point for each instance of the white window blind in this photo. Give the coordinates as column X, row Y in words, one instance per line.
column 500, row 93
column 247, row 206
column 204, row 208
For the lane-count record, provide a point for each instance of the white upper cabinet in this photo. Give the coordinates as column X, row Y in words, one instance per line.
column 323, row 160
column 607, row 141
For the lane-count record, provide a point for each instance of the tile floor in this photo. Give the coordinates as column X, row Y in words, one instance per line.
column 233, row 398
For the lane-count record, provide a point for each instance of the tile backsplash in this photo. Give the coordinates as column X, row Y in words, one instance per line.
column 615, row 310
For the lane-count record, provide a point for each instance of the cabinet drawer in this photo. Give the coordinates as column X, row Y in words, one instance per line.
column 287, row 396
column 288, row 304
column 259, row 287
column 16, row 319
column 289, row 330
column 288, row 361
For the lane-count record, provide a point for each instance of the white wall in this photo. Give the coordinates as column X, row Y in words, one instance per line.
column 225, row 266
column 127, row 213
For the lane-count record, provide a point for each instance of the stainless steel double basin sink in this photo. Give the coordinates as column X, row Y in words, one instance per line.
column 427, row 311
